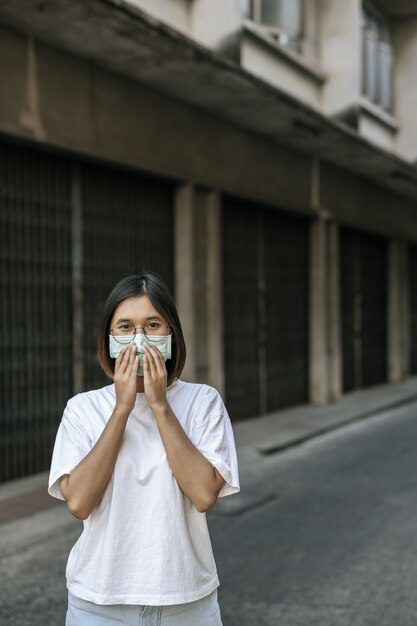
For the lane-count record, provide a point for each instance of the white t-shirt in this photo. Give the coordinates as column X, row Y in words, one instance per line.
column 145, row 542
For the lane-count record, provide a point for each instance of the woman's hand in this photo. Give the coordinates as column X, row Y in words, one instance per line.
column 125, row 378
column 155, row 376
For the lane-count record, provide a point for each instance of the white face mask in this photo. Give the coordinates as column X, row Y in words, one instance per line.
column 162, row 342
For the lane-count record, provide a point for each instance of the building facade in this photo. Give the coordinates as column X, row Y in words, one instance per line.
column 260, row 155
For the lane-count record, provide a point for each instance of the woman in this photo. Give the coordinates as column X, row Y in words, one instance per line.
column 141, row 461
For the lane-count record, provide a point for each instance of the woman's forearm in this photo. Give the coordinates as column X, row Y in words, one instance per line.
column 198, row 479
column 84, row 488
column 193, row 472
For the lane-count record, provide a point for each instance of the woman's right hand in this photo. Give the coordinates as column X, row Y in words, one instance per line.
column 125, row 378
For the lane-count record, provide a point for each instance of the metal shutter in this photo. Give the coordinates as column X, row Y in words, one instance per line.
column 36, row 306
column 287, row 288
column 412, row 272
column 364, row 308
column 374, row 310
column 241, row 313
column 265, row 273
column 128, row 226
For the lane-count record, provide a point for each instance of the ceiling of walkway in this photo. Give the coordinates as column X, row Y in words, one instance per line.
column 399, row 8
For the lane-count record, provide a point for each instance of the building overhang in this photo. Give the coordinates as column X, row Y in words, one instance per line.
column 399, row 8
column 124, row 39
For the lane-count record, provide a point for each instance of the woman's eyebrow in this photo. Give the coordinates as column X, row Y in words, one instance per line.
column 126, row 319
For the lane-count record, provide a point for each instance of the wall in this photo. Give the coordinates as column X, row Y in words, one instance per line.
column 59, row 100
column 373, row 127
column 340, row 53
column 175, row 13
column 82, row 108
column 213, row 22
column 275, row 66
column 210, row 22
column 358, row 202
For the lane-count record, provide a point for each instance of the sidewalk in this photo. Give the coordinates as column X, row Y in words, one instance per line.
column 257, row 441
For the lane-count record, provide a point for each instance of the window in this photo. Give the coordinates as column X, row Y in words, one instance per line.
column 281, row 18
column 377, row 59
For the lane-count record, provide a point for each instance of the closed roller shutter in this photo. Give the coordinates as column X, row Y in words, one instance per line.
column 374, row 315
column 350, row 309
column 364, row 308
column 128, row 226
column 241, row 310
column 265, row 273
column 287, row 288
column 36, row 306
column 412, row 273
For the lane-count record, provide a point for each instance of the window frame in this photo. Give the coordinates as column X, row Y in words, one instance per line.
column 295, row 40
column 383, row 46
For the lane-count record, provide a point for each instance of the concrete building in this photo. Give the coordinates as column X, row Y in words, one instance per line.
column 260, row 155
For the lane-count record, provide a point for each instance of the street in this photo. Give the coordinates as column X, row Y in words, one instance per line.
column 336, row 546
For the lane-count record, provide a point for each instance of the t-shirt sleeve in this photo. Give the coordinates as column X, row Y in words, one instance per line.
column 213, row 436
column 72, row 444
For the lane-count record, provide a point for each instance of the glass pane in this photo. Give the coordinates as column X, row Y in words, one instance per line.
column 246, row 8
column 364, row 14
column 384, row 32
column 290, row 15
column 373, row 25
column 370, row 65
column 377, row 25
column 385, row 65
column 285, row 14
column 363, row 61
column 270, row 12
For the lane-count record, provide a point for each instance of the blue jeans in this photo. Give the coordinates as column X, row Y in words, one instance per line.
column 203, row 612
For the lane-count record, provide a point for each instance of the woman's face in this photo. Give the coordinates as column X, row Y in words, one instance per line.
column 139, row 311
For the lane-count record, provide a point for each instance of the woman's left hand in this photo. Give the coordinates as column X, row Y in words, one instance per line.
column 155, row 376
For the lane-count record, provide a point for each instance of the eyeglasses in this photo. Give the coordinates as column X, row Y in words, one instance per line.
column 124, row 332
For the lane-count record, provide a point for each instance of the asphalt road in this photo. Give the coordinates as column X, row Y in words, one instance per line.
column 336, row 545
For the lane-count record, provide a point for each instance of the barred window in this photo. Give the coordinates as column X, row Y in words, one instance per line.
column 377, row 59
column 283, row 19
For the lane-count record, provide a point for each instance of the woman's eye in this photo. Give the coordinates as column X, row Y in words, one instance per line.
column 153, row 325
column 124, row 327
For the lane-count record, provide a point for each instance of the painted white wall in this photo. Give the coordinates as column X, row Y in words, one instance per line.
column 312, row 16
column 340, row 53
column 210, row 22
column 274, row 67
column 332, row 43
column 175, row 13
column 213, row 21
column 375, row 130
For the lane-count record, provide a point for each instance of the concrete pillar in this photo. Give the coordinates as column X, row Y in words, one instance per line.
column 198, row 282
column 325, row 354
column 339, row 53
column 215, row 292
column 335, row 326
column 398, row 312
column 318, row 353
column 185, row 271
column 77, row 281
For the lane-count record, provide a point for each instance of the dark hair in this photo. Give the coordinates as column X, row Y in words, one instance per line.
column 144, row 284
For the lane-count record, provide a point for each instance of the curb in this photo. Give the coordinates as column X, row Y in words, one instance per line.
column 270, row 450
